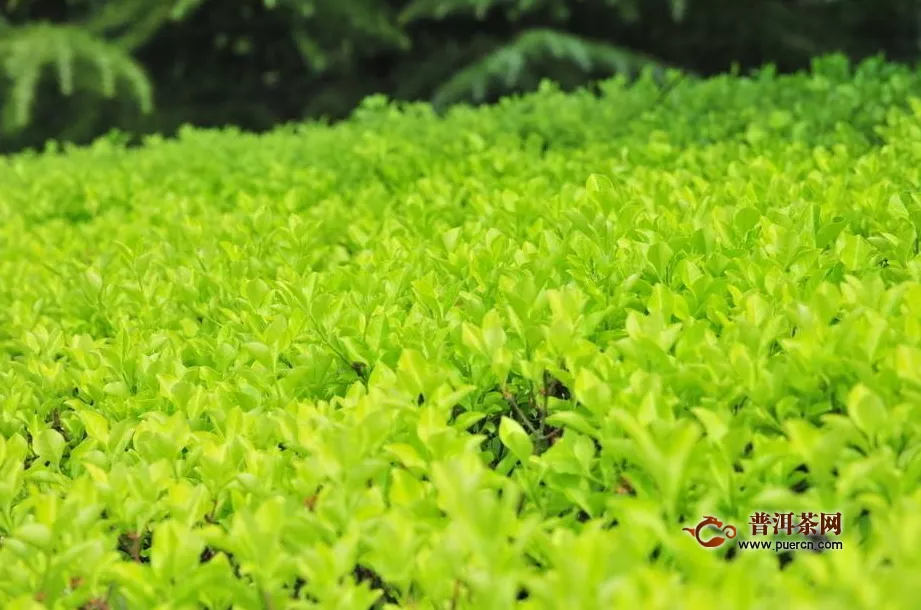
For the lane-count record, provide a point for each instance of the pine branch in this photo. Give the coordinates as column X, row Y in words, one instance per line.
column 511, row 63
column 27, row 51
column 442, row 9
column 131, row 23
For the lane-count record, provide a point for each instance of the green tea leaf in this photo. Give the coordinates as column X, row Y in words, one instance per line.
column 514, row 437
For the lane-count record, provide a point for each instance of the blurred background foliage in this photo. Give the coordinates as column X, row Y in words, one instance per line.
column 75, row 69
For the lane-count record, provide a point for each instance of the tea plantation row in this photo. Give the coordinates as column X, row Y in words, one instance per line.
column 497, row 359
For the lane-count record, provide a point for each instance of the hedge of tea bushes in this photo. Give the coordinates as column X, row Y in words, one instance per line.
column 496, row 359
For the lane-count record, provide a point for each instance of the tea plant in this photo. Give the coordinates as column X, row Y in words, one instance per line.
column 489, row 360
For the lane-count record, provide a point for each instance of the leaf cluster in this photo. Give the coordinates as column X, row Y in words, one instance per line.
column 493, row 359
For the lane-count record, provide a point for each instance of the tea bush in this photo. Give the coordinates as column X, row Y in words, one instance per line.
column 495, row 359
